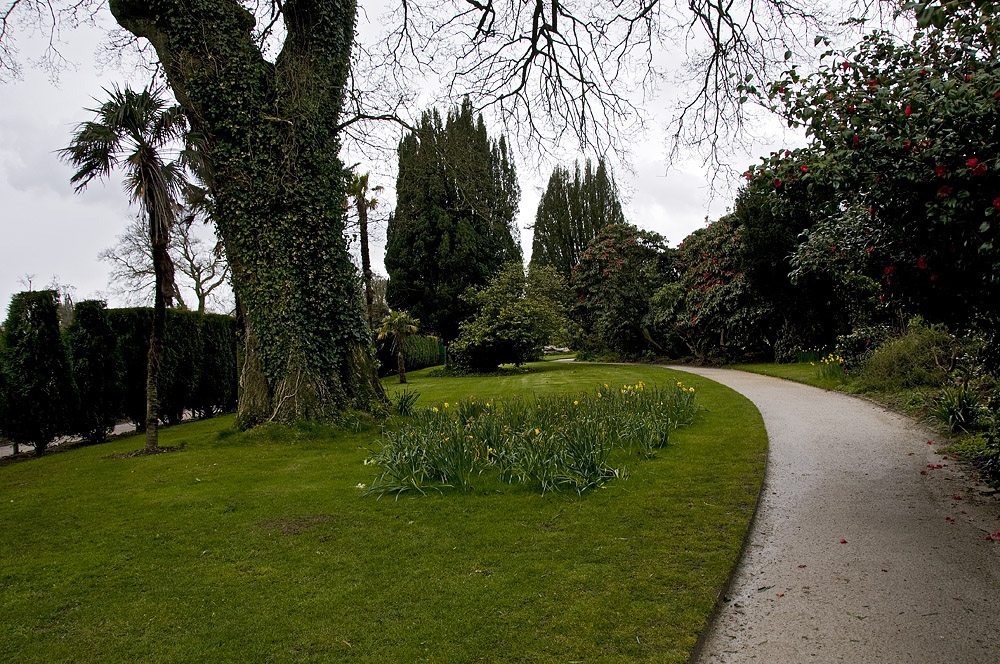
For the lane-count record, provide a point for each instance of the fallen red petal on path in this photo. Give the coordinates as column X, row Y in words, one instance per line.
column 843, row 541
column 801, row 566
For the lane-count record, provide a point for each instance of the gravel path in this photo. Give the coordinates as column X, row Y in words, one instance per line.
column 868, row 545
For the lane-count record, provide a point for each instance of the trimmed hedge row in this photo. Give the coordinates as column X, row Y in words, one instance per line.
column 198, row 370
column 418, row 352
column 85, row 380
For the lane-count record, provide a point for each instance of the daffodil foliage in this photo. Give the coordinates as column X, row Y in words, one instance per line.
column 902, row 171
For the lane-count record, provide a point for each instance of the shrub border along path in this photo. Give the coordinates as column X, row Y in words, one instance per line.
column 868, row 545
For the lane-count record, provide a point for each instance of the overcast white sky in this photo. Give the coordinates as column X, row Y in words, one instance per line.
column 48, row 231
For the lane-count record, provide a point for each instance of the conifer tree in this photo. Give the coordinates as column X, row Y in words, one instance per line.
column 456, row 202
column 573, row 209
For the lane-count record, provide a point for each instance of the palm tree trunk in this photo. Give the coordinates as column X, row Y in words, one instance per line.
column 160, row 265
column 400, row 363
column 366, row 263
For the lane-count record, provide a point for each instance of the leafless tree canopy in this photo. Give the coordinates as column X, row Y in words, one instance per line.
column 578, row 71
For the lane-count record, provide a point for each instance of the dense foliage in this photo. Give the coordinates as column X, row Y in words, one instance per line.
column 96, row 369
column 198, row 373
column 38, row 395
column 419, row 352
column 903, row 168
column 454, row 223
column 515, row 315
column 613, row 283
column 573, row 209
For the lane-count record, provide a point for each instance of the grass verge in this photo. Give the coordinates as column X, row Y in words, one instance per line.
column 261, row 547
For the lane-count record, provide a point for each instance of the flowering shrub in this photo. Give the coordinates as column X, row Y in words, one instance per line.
column 904, row 133
column 613, row 284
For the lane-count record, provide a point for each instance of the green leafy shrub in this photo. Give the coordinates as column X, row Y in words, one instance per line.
column 516, row 314
column 956, row 407
column 96, row 369
column 38, row 394
column 860, row 343
column 923, row 356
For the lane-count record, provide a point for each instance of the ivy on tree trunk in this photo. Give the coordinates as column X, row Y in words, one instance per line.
column 271, row 140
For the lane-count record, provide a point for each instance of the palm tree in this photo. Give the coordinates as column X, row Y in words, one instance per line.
column 358, row 190
column 399, row 325
column 131, row 131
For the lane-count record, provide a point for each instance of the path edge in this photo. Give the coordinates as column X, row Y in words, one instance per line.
column 720, row 600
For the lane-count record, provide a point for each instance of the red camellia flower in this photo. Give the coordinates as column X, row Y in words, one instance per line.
column 854, row 140
column 788, row 153
column 749, row 176
column 980, row 169
column 968, row 77
column 804, row 168
column 996, row 203
column 906, row 145
column 972, row 162
column 922, row 263
column 777, row 183
column 908, row 110
column 889, row 269
column 940, row 170
column 997, row 95
column 944, row 191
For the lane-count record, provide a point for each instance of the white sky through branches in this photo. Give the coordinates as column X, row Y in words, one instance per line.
column 50, row 232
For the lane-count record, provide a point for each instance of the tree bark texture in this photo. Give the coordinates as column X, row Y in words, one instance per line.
column 278, row 188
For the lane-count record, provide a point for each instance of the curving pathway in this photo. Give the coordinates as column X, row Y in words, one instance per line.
column 857, row 554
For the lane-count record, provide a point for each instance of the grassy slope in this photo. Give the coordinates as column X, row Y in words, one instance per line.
column 259, row 547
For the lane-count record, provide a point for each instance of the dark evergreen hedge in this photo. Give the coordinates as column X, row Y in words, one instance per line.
column 418, row 352
column 37, row 395
column 96, row 370
column 198, row 371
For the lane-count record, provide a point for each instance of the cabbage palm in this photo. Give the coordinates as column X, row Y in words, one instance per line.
column 131, row 131
column 399, row 325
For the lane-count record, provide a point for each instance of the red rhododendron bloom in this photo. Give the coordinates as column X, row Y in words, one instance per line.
column 944, row 191
column 922, row 263
column 940, row 170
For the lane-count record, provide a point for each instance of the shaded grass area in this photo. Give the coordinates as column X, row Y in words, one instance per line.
column 260, row 547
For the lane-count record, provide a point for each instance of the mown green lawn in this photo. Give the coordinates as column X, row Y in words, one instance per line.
column 800, row 372
column 260, row 547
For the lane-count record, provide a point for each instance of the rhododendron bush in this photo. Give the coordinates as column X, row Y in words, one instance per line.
column 902, row 169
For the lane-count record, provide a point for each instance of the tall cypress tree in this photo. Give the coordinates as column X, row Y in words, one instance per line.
column 573, row 209
column 453, row 227
column 38, row 393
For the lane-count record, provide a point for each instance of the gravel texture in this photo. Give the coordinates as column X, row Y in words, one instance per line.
column 868, row 545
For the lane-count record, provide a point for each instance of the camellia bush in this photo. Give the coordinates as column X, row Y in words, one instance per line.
column 904, row 141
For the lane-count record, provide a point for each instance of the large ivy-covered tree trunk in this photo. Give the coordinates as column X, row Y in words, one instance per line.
column 270, row 138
